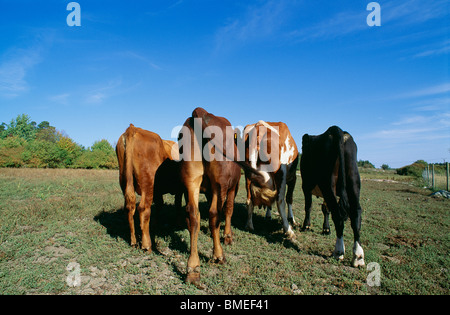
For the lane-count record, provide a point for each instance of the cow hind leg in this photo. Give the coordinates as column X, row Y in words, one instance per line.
column 289, row 201
column 214, row 225
column 326, row 220
column 286, row 226
column 130, row 207
column 330, row 200
column 193, row 223
column 268, row 213
column 249, row 225
column 355, row 218
column 308, row 204
column 281, row 203
column 144, row 209
column 228, row 234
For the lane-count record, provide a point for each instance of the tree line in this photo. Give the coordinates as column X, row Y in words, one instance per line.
column 24, row 143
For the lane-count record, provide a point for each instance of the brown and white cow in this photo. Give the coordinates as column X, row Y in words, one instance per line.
column 140, row 154
column 271, row 149
column 328, row 168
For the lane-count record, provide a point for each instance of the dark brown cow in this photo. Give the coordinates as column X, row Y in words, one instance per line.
column 203, row 160
column 223, row 180
column 140, row 154
column 280, row 177
column 328, row 167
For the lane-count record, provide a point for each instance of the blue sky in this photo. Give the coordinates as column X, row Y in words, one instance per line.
column 310, row 64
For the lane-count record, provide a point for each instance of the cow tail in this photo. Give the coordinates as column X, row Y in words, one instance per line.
column 344, row 205
column 128, row 139
column 259, row 185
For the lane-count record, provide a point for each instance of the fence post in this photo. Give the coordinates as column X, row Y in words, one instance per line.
column 447, row 176
column 428, row 175
column 432, row 176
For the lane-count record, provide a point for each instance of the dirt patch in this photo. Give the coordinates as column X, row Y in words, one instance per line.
column 402, row 240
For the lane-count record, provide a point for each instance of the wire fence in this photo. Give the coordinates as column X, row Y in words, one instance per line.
column 437, row 179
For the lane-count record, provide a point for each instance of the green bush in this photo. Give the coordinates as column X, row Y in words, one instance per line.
column 11, row 150
column 416, row 169
column 100, row 155
column 365, row 164
column 23, row 143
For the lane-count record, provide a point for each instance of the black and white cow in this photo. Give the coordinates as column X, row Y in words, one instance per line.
column 328, row 165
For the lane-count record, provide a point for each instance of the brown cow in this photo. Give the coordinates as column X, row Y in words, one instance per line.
column 140, row 153
column 260, row 138
column 205, row 161
column 223, row 177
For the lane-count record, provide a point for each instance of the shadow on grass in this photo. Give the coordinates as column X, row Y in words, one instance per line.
column 163, row 222
column 166, row 222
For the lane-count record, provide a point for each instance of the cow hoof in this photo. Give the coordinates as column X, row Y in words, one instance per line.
column 228, row 240
column 338, row 255
column 358, row 262
column 326, row 232
column 134, row 245
column 306, row 228
column 193, row 277
column 290, row 235
column 249, row 228
column 147, row 250
column 219, row 260
column 358, row 256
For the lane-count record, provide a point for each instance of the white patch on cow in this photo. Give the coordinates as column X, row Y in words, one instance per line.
column 339, row 249
column 253, row 158
column 358, row 255
column 287, row 152
column 267, row 178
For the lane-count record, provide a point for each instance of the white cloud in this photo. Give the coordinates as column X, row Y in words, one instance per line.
column 343, row 23
column 257, row 23
column 421, row 131
column 98, row 94
column 137, row 56
column 413, row 11
column 428, row 91
column 393, row 13
column 62, row 99
column 14, row 69
column 442, row 49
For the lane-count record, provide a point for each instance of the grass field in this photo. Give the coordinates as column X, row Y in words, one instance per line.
column 52, row 218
